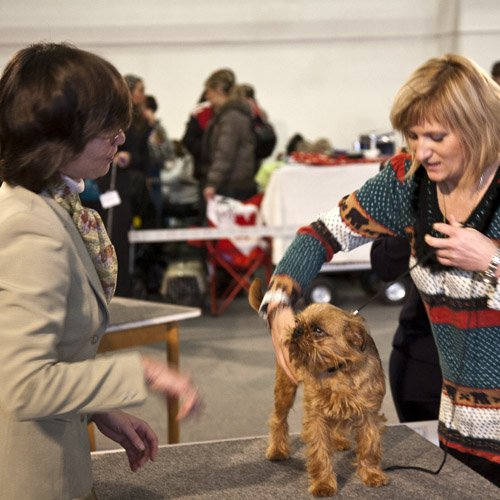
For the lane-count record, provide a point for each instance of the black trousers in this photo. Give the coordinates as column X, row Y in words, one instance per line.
column 415, row 386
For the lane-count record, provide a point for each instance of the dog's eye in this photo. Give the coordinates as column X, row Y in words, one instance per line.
column 318, row 332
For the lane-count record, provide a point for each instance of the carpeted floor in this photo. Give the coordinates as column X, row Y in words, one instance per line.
column 238, row 469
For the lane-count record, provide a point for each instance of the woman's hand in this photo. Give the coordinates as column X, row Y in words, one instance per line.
column 122, row 159
column 209, row 193
column 135, row 435
column 465, row 248
column 160, row 378
column 149, row 116
column 282, row 320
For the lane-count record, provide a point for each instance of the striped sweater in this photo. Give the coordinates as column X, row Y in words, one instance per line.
column 464, row 311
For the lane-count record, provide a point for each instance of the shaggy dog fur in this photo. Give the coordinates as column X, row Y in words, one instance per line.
column 343, row 382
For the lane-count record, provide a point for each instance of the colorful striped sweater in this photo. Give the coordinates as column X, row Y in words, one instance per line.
column 464, row 311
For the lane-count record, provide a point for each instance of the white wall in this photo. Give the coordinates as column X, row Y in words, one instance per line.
column 325, row 68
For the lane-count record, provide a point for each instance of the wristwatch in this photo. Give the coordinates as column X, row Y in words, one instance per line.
column 489, row 276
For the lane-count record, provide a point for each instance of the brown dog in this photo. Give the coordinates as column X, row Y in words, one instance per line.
column 343, row 383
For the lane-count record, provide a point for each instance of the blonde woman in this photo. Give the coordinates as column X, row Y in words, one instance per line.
column 228, row 147
column 445, row 200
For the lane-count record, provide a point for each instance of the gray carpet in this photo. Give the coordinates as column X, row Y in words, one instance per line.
column 237, row 469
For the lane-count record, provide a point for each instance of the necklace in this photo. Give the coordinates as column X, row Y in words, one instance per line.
column 474, row 199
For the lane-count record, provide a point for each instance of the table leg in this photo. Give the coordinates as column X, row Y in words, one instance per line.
column 90, row 428
column 173, row 361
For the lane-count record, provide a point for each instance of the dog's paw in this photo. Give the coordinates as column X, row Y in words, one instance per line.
column 275, row 452
column 373, row 476
column 324, row 488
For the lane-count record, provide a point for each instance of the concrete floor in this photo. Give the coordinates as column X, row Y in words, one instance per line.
column 232, row 360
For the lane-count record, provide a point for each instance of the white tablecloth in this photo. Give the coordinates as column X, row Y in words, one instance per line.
column 297, row 194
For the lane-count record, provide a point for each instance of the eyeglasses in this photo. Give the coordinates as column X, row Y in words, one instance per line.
column 111, row 139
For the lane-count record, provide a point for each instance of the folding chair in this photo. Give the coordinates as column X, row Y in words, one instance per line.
column 240, row 257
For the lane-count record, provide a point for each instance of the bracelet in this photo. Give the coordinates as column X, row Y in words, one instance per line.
column 489, row 276
column 272, row 314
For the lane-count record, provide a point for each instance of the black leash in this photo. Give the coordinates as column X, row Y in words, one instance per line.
column 420, row 469
column 422, row 260
column 445, row 455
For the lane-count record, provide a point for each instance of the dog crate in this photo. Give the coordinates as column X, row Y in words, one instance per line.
column 185, row 283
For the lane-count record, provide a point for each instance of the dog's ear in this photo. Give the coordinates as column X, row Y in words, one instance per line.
column 356, row 332
column 255, row 295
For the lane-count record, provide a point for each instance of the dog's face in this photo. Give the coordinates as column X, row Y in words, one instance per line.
column 326, row 340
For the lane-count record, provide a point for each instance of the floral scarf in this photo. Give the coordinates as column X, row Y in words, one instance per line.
column 94, row 235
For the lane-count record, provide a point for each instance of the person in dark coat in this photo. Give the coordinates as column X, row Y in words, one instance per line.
column 228, row 145
column 129, row 177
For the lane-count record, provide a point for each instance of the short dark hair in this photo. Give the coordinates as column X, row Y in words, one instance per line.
column 55, row 98
column 151, row 103
column 495, row 70
column 248, row 90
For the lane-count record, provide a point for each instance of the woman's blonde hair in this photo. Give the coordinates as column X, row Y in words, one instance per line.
column 222, row 78
column 455, row 92
column 225, row 79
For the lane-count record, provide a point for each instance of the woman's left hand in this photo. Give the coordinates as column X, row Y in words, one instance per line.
column 122, row 159
column 465, row 248
column 135, row 435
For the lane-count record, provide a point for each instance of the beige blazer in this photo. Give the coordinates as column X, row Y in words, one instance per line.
column 52, row 317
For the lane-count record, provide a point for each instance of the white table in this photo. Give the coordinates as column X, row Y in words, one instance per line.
column 297, row 194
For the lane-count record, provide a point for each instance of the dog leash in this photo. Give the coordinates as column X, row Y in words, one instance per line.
column 422, row 260
column 391, row 468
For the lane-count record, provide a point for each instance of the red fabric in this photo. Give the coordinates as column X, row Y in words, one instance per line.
column 228, row 251
column 203, row 113
column 311, row 232
column 398, row 165
column 464, row 319
column 319, row 159
column 471, row 451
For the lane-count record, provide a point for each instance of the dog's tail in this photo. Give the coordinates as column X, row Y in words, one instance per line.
column 255, row 294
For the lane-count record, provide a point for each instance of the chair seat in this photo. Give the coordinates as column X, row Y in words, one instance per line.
column 238, row 266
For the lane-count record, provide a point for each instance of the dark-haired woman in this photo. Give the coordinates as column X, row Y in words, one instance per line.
column 132, row 183
column 62, row 116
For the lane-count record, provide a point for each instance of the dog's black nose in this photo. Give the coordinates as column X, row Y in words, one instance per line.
column 297, row 332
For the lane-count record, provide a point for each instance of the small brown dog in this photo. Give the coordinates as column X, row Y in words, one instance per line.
column 343, row 383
